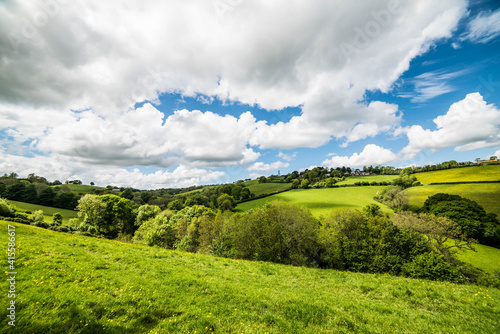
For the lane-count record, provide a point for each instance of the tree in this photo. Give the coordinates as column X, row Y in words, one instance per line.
column 304, row 184
column 47, row 197
column 146, row 212
column 225, row 202
column 145, row 197
column 372, row 210
column 245, row 193
column 262, row 179
column 445, row 235
column 494, row 157
column 92, row 208
column 295, row 183
column 57, row 218
column 175, row 205
column 92, row 183
column 128, row 194
column 330, row 182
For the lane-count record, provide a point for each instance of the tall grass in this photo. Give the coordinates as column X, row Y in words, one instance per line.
column 75, row 284
column 466, row 174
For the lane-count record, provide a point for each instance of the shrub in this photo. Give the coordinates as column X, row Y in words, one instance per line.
column 5, row 209
column 57, row 218
column 37, row 216
column 431, row 266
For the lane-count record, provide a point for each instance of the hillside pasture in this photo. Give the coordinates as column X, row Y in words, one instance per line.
column 77, row 284
column 48, row 211
column 485, row 257
column 368, row 178
column 82, row 188
column 485, row 194
column 465, row 174
column 260, row 189
column 321, row 201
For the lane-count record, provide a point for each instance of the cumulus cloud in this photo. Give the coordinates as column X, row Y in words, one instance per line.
column 483, row 28
column 263, row 167
column 469, row 124
column 287, row 157
column 63, row 168
column 90, row 62
column 371, row 155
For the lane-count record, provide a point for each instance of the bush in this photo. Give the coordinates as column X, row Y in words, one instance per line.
column 37, row 216
column 5, row 209
column 431, row 266
column 57, row 218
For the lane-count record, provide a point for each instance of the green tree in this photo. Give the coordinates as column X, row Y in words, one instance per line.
column 47, row 197
column 295, row 183
column 304, row 184
column 330, row 182
column 225, row 202
column 92, row 209
column 57, row 218
column 262, row 179
column 146, row 212
column 128, row 194
column 175, row 205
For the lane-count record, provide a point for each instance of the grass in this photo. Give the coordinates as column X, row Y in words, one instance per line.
column 486, row 194
column 369, row 178
column 466, row 174
column 48, row 211
column 485, row 258
column 266, row 188
column 82, row 188
column 75, row 284
column 321, row 201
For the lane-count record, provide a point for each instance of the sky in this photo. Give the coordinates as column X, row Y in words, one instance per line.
column 151, row 94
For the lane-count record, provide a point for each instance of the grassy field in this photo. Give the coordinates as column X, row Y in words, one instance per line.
column 466, row 174
column 76, row 284
column 266, row 188
column 47, row 210
column 82, row 188
column 322, row 201
column 486, row 194
column 369, row 178
column 485, row 258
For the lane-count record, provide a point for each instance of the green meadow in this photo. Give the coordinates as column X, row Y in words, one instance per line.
column 48, row 211
column 76, row 284
column 485, row 194
column 321, row 201
column 266, row 188
column 485, row 257
column 81, row 188
column 368, row 178
column 465, row 174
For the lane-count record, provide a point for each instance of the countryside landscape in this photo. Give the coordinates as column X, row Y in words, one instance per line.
column 264, row 166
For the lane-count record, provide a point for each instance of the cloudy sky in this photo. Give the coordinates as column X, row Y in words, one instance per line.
column 175, row 93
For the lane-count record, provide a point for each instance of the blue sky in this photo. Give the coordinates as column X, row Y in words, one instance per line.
column 211, row 92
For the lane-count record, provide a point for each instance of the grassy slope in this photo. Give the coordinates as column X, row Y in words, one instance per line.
column 75, row 284
column 466, row 174
column 82, row 188
column 485, row 258
column 369, row 178
column 486, row 194
column 322, row 201
column 266, row 188
column 47, row 210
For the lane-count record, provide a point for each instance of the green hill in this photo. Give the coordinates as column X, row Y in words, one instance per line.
column 48, row 211
column 485, row 257
column 368, row 178
column 465, row 174
column 260, row 189
column 485, row 194
column 76, row 284
column 321, row 201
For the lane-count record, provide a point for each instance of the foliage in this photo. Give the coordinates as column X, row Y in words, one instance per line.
column 57, row 218
column 393, row 197
column 146, row 212
column 445, row 235
column 469, row 215
column 225, row 202
column 431, row 266
column 6, row 209
column 37, row 216
column 304, row 184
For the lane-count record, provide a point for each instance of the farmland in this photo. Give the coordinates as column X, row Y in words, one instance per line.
column 466, row 174
column 485, row 258
column 260, row 189
column 76, row 284
column 368, row 178
column 485, row 194
column 322, row 201
column 47, row 210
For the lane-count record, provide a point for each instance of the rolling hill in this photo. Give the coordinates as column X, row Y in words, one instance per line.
column 323, row 200
column 76, row 284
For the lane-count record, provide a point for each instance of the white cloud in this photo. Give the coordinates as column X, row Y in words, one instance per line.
column 371, row 155
column 287, row 157
column 483, row 28
column 63, row 168
column 469, row 124
column 431, row 84
column 89, row 63
column 263, row 167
